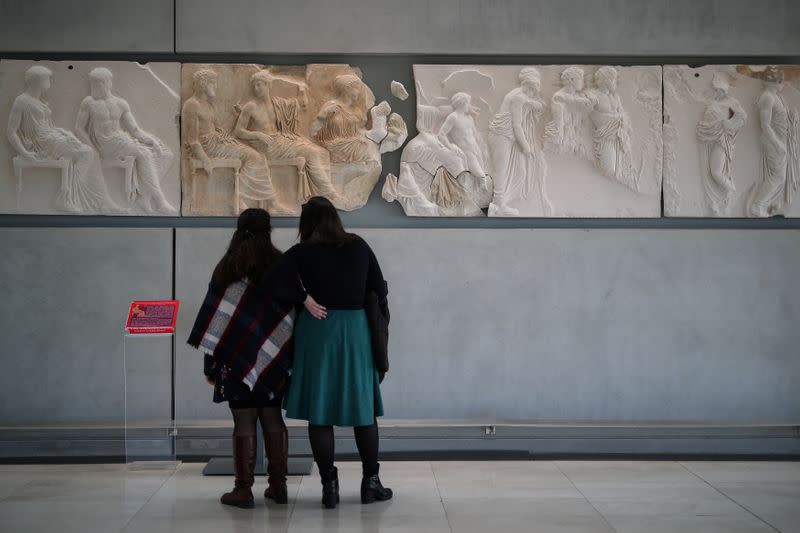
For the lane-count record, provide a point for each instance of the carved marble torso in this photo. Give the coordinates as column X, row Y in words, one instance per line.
column 780, row 114
column 607, row 104
column 531, row 107
column 203, row 113
column 721, row 120
column 262, row 116
column 105, row 115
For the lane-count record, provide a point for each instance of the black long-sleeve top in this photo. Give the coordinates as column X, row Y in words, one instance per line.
column 336, row 276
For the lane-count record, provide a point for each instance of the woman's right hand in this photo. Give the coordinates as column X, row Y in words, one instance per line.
column 316, row 310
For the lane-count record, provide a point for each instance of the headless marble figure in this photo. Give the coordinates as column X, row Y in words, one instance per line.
column 34, row 136
column 779, row 146
column 459, row 134
column 270, row 125
column 206, row 140
column 106, row 121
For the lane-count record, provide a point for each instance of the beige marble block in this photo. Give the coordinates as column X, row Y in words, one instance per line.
column 274, row 136
column 533, row 141
column 731, row 141
column 89, row 137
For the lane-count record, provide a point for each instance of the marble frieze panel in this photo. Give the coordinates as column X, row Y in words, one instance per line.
column 533, row 141
column 731, row 141
column 274, row 136
column 88, row 138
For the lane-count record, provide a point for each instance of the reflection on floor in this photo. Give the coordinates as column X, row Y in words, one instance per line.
column 481, row 497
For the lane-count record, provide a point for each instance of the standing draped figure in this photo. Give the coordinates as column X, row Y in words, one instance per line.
column 722, row 119
column 779, row 147
column 518, row 164
column 611, row 138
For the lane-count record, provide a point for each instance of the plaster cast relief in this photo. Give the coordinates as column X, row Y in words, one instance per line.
column 742, row 157
column 106, row 122
column 519, row 165
column 570, row 106
column 273, row 137
column 108, row 163
column 533, row 141
column 399, row 90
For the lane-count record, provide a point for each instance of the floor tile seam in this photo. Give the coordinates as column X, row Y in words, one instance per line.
column 596, row 510
column 294, row 500
column 749, row 511
column 441, row 499
column 141, row 507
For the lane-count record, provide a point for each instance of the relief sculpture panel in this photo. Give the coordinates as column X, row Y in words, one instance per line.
column 732, row 141
column 533, row 141
column 272, row 137
column 89, row 138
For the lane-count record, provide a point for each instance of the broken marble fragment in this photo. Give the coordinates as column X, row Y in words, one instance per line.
column 399, row 90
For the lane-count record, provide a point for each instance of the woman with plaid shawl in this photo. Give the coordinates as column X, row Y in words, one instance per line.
column 246, row 334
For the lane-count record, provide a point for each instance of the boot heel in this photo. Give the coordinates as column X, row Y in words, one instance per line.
column 329, row 501
column 330, row 489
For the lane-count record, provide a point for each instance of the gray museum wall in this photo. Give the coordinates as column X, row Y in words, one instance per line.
column 65, row 294
column 626, row 27
column 633, row 326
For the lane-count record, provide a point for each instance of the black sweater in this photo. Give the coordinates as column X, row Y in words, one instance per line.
column 336, row 276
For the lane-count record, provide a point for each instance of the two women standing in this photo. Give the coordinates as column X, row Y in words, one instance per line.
column 335, row 380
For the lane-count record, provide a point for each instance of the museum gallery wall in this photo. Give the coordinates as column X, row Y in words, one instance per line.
column 124, row 138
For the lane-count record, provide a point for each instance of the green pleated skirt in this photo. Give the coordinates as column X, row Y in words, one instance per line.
column 334, row 380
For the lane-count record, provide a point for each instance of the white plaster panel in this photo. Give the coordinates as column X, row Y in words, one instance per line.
column 115, row 168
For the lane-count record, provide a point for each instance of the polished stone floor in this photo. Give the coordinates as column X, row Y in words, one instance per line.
column 480, row 497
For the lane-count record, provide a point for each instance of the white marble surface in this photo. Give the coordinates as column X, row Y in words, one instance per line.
column 687, row 94
column 152, row 93
column 435, row 497
column 564, row 173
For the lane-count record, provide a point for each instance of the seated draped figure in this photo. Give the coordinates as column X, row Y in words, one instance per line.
column 298, row 132
column 205, row 140
column 106, row 122
column 270, row 124
column 35, row 137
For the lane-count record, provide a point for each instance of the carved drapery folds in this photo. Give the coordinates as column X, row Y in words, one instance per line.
column 533, row 141
column 272, row 137
column 734, row 140
column 89, row 138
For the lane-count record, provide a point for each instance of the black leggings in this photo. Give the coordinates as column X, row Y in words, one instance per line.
column 322, row 445
column 245, row 419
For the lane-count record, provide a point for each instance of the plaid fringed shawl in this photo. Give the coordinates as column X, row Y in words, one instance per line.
column 249, row 335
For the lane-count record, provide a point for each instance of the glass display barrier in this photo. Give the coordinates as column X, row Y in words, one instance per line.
column 149, row 421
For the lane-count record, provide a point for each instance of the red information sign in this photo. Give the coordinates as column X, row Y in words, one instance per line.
column 157, row 316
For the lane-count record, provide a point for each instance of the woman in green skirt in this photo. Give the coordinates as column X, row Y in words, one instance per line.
column 334, row 378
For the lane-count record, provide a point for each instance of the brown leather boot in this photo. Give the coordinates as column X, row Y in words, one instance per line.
column 277, row 444
column 244, row 466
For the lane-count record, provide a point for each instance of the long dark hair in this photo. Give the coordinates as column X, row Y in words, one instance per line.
column 320, row 223
column 250, row 253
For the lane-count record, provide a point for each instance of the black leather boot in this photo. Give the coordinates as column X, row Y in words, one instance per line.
column 372, row 490
column 330, row 488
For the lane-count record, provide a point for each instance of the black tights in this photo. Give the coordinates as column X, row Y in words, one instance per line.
column 244, row 420
column 322, row 445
